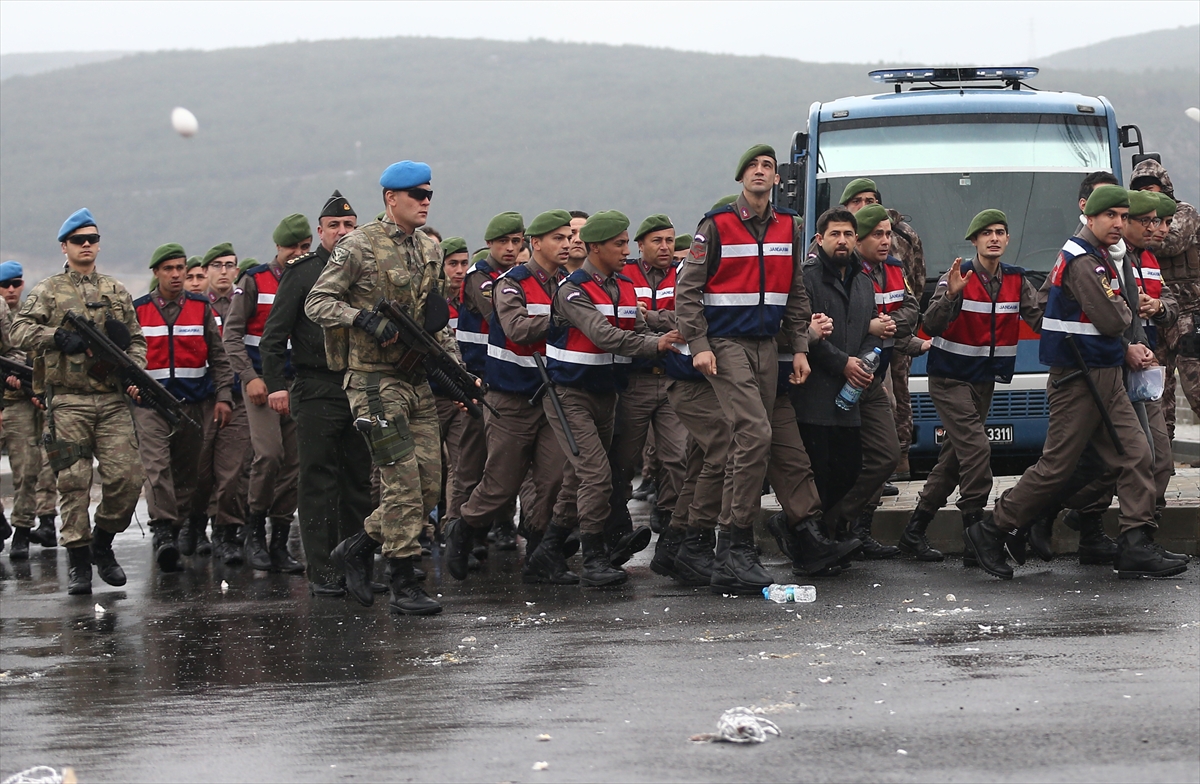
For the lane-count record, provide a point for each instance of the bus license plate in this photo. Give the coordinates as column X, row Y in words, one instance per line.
column 996, row 434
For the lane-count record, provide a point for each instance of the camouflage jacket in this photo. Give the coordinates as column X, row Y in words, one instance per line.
column 1179, row 253
column 94, row 295
column 377, row 261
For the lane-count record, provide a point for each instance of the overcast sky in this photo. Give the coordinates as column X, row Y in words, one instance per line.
column 997, row 33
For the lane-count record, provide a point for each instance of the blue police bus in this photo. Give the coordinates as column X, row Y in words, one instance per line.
column 945, row 144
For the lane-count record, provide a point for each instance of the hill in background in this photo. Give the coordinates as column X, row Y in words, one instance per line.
column 23, row 64
column 524, row 126
column 1154, row 51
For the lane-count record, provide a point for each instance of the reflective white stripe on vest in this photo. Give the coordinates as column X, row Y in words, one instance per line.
column 196, row 330
column 251, row 340
column 770, row 298
column 642, row 292
column 537, row 309
column 667, row 292
column 578, row 357
column 266, row 299
column 155, row 332
column 471, row 337
column 627, row 311
column 885, row 297
column 160, row 374
column 974, row 306
column 769, row 249
column 1147, row 323
column 503, row 354
column 964, row 350
column 220, row 321
column 453, row 323
column 605, row 310
column 1072, row 327
column 1149, row 273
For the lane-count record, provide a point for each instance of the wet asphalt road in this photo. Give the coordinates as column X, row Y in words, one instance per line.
column 1064, row 674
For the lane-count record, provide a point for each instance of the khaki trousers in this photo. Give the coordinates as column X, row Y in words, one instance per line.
column 467, row 449
column 965, row 460
column 171, row 459
column 224, row 459
column 643, row 406
column 587, row 478
column 702, row 500
column 276, row 465
column 790, row 471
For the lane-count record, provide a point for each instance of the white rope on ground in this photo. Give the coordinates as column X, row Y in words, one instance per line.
column 739, row 725
column 40, row 774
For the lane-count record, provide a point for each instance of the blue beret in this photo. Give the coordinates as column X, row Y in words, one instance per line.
column 11, row 270
column 79, row 219
column 404, row 175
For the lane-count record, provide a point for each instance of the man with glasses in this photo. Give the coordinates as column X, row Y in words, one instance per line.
column 87, row 417
column 390, row 259
column 22, row 437
column 273, row 435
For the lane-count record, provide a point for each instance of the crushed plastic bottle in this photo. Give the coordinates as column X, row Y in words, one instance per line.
column 782, row 594
column 848, row 397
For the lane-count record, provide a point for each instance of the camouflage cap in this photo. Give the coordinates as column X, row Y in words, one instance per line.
column 657, row 222
column 1166, row 206
column 603, row 226
column 504, row 223
column 172, row 250
column 750, row 155
column 869, row 217
column 1143, row 203
column 218, row 251
column 857, row 186
column 292, row 230
column 978, row 223
column 1104, row 198
column 452, row 245
column 683, row 241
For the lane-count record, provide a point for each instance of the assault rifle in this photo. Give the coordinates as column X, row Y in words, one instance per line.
column 455, row 382
column 547, row 387
column 110, row 359
column 23, row 372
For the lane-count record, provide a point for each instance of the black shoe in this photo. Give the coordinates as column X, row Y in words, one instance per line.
column 987, row 542
column 19, row 550
column 914, row 541
column 79, row 573
column 6, row 529
column 546, row 564
column 570, row 545
column 1017, row 545
column 330, row 590
column 740, row 570
column 225, row 545
column 1038, row 533
column 1136, row 557
column 1095, row 547
column 348, row 556
column 871, row 549
column 185, row 539
column 777, row 526
column 506, row 536
column 665, row 550
column 44, row 534
column 628, row 545
column 889, row 489
column 969, row 519
column 255, row 549
column 460, row 537
column 532, row 539
column 1158, row 548
column 812, row 552
column 619, row 525
column 104, row 559
column 658, row 519
column 480, row 550
column 166, row 551
column 204, row 547
column 644, row 490
column 598, row 571
column 695, row 561
column 408, row 597
column 281, row 559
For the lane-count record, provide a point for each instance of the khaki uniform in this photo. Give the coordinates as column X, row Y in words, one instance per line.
column 702, row 500
column 377, row 261
column 91, row 413
column 1075, row 419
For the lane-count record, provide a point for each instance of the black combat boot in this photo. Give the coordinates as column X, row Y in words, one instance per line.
column 5, row 529
column 480, row 550
column 841, row 533
column 166, row 551
column 19, row 550
column 598, row 570
column 226, row 546
column 281, row 559
column 777, row 526
column 105, row 560
column 987, row 543
column 1017, row 544
column 408, row 597
column 1038, row 534
column 571, row 543
column 622, row 538
column 79, row 573
column 812, row 552
column 255, row 549
column 506, row 535
column 327, row 590
column 1095, row 547
column 695, row 561
column 619, row 524
column 460, row 537
column 658, row 519
column 1136, row 557
column 914, row 542
column 665, row 551
column 547, row 564
column 741, row 570
column 969, row 519
column 355, row 556
column 186, row 541
column 644, row 490
column 532, row 538
column 871, row 549
column 44, row 534
column 203, row 546
column 1158, row 548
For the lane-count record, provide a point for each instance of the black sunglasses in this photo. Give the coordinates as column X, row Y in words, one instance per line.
column 11, row 284
column 84, row 239
column 420, row 194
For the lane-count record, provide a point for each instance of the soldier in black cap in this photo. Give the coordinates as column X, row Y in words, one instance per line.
column 335, row 464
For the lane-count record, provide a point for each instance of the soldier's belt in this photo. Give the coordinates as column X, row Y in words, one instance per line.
column 63, row 454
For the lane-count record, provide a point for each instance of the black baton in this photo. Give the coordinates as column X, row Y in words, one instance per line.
column 1091, row 385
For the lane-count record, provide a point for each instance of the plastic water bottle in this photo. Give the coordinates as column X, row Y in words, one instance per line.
column 782, row 594
column 849, row 395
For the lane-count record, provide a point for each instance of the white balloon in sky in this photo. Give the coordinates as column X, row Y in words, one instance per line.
column 1193, row 113
column 184, row 122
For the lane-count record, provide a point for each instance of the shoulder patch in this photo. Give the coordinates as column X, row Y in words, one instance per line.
column 339, row 255
column 574, row 295
column 507, row 290
column 699, row 248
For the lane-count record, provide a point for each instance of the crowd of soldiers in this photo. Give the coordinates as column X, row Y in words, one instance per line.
column 712, row 365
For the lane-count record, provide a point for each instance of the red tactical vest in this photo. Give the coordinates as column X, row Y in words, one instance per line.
column 177, row 354
column 1149, row 281
column 573, row 359
column 747, row 295
column 980, row 344
column 266, row 281
column 661, row 298
column 510, row 366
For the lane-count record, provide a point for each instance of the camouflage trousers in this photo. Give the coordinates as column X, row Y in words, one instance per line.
column 1189, row 369
column 22, row 437
column 408, row 488
column 901, row 363
column 101, row 421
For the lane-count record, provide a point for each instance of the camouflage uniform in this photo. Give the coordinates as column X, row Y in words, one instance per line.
column 1179, row 258
column 379, row 261
column 91, row 413
column 21, row 436
column 906, row 246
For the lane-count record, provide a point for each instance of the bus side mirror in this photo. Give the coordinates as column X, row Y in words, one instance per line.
column 1126, row 134
column 790, row 191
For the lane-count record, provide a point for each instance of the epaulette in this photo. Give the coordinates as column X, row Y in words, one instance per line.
column 578, row 277
column 787, row 211
column 1012, row 269
column 195, row 296
column 719, row 210
column 312, row 254
column 516, row 272
column 145, row 299
column 895, row 262
column 625, row 278
column 257, row 268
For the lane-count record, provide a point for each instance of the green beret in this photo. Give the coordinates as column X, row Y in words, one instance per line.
column 172, row 250
column 751, row 154
column 869, row 217
column 1166, row 205
column 480, row 255
column 603, row 226
column 683, row 241
column 721, row 202
column 856, row 187
column 217, row 251
column 1104, row 198
column 1143, row 203
column 246, row 264
column 505, row 223
column 548, row 222
column 656, row 222
column 979, row 222
column 292, row 230
column 453, row 245
column 195, row 261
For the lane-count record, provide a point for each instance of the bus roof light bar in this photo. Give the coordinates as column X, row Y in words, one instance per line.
column 1010, row 76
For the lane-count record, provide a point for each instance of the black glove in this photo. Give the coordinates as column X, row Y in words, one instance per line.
column 376, row 325
column 69, row 342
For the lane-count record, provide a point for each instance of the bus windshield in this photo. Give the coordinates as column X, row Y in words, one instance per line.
column 965, row 143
